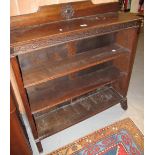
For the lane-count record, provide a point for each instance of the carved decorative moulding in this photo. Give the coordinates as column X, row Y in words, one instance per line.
column 55, row 40
column 67, row 11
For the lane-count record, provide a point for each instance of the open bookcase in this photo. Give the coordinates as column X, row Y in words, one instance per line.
column 72, row 61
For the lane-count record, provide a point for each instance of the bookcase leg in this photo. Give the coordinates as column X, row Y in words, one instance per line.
column 124, row 104
column 39, row 146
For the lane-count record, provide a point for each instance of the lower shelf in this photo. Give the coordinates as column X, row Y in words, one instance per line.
column 77, row 111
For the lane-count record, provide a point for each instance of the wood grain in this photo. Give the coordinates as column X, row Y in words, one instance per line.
column 16, row 69
column 18, row 141
column 46, row 96
column 49, row 35
column 52, row 70
column 59, row 62
column 78, row 111
column 53, row 13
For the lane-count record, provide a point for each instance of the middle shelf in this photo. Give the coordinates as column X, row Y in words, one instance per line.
column 46, row 96
column 50, row 70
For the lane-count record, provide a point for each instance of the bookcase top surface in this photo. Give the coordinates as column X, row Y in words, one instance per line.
column 73, row 21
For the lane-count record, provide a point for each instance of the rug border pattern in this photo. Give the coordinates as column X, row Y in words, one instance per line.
column 126, row 124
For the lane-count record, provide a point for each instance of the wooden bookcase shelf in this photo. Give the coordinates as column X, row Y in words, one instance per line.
column 72, row 61
column 50, row 94
column 52, row 70
column 76, row 111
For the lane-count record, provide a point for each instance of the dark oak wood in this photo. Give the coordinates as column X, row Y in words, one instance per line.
column 127, row 38
column 124, row 104
column 53, row 13
column 51, row 70
column 39, row 146
column 18, row 141
column 16, row 69
column 77, row 111
column 44, row 36
column 17, row 72
column 72, row 61
column 46, row 96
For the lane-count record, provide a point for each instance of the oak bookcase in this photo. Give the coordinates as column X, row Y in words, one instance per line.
column 72, row 61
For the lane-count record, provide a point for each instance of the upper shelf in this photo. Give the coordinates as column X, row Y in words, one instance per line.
column 52, row 70
column 32, row 32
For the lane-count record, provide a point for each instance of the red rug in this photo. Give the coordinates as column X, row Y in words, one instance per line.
column 121, row 138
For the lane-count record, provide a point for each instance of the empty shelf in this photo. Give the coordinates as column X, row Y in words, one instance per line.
column 45, row 96
column 77, row 111
column 52, row 70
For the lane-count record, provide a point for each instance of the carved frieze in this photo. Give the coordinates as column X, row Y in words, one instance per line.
column 60, row 39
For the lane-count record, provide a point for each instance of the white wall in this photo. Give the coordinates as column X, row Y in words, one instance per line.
column 134, row 6
column 19, row 7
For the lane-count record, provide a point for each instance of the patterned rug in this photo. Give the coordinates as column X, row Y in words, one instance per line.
column 121, row 138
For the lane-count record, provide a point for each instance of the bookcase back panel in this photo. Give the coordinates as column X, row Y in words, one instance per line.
column 95, row 42
column 63, row 51
column 55, row 53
